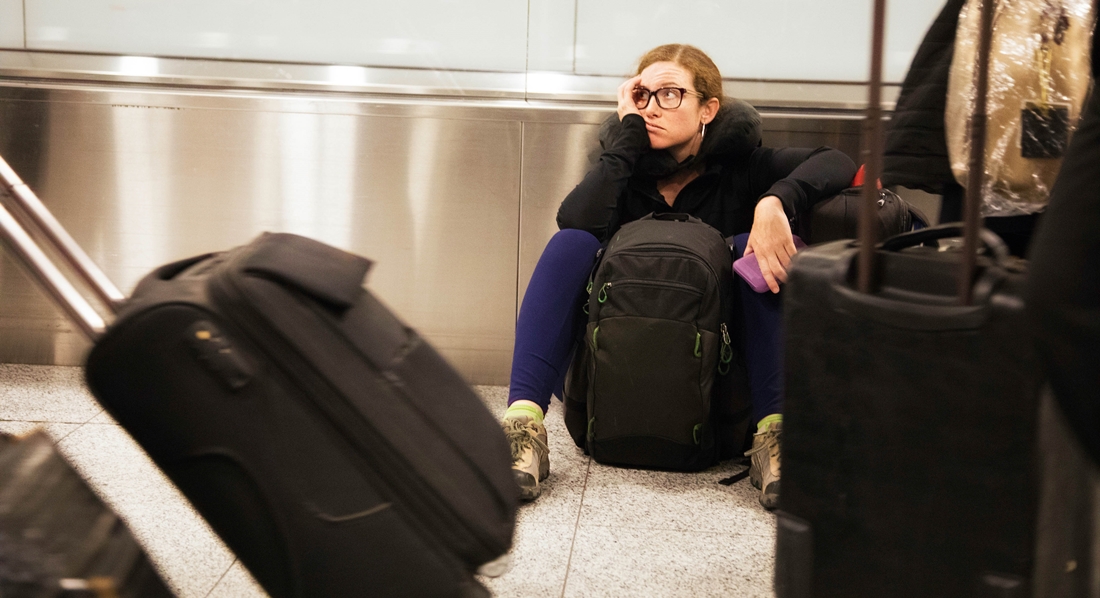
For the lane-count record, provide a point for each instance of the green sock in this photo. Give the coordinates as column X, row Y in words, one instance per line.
column 767, row 422
column 517, row 409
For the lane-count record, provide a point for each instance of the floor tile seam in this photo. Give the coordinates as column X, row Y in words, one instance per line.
column 576, row 528
column 46, row 421
column 667, row 529
column 69, row 433
column 99, row 413
column 223, row 576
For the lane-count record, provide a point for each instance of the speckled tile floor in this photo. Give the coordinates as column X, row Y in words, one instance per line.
column 596, row 530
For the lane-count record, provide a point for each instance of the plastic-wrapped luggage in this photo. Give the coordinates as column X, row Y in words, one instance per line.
column 1038, row 83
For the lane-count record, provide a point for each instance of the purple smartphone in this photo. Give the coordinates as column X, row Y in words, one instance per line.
column 747, row 268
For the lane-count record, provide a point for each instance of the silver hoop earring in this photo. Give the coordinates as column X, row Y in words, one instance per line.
column 703, row 133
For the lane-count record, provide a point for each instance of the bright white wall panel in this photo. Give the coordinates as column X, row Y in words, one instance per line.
column 817, row 40
column 440, row 34
column 11, row 24
column 550, row 35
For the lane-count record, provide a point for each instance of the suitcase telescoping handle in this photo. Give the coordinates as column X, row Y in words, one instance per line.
column 28, row 210
column 872, row 154
column 975, row 178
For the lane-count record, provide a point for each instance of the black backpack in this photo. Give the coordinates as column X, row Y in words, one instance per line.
column 650, row 383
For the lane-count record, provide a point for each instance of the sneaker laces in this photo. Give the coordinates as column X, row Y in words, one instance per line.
column 770, row 437
column 521, row 436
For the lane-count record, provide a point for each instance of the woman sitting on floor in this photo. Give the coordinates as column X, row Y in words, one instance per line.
column 679, row 146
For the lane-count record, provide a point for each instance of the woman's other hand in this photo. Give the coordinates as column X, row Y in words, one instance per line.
column 626, row 97
column 771, row 240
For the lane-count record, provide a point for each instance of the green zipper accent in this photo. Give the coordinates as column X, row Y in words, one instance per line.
column 603, row 292
column 698, row 344
column 697, row 433
column 726, row 354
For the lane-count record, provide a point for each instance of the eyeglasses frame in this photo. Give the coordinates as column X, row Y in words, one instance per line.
column 653, row 94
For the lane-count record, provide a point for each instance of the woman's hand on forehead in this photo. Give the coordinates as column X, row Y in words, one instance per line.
column 626, row 97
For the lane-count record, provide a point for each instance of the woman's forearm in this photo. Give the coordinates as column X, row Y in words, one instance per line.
column 591, row 205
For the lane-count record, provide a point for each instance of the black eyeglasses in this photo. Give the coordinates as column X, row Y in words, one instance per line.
column 668, row 98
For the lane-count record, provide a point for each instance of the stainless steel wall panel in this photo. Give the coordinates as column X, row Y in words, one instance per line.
column 541, row 82
column 555, row 158
column 810, row 130
column 434, row 201
column 455, row 199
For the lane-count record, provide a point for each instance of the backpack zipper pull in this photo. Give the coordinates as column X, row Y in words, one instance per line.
column 603, row 292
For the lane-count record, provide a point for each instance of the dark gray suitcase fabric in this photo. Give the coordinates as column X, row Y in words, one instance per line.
column 330, row 446
column 909, row 449
column 57, row 538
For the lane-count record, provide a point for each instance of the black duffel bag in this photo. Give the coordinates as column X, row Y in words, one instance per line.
column 837, row 217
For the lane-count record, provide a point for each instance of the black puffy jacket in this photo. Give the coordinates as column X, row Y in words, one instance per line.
column 736, row 173
column 916, row 147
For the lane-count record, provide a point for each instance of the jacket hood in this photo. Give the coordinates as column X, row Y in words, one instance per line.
column 734, row 132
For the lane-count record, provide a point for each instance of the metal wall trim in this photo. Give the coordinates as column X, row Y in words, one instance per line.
column 540, row 86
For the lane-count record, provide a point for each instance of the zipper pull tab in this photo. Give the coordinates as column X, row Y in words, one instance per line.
column 727, row 351
column 603, row 292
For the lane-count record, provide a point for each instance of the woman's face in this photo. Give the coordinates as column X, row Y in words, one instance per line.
column 674, row 129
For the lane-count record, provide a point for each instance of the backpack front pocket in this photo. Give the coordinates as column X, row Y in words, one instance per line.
column 650, row 380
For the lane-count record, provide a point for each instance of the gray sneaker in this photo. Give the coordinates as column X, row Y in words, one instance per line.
column 530, row 454
column 764, row 470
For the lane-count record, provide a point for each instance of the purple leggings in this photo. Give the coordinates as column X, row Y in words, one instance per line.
column 551, row 317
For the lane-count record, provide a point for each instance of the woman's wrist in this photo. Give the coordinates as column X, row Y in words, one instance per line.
column 770, row 204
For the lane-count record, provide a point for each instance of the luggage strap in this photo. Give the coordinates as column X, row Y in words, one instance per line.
column 325, row 273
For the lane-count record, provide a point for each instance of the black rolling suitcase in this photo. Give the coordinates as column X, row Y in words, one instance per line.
column 57, row 539
column 328, row 444
column 909, row 448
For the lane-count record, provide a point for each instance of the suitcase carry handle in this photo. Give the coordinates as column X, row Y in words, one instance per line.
column 909, row 315
column 325, row 273
column 921, row 310
column 30, row 211
column 996, row 246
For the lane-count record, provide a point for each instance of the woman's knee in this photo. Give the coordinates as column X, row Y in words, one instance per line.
column 571, row 245
column 572, row 237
